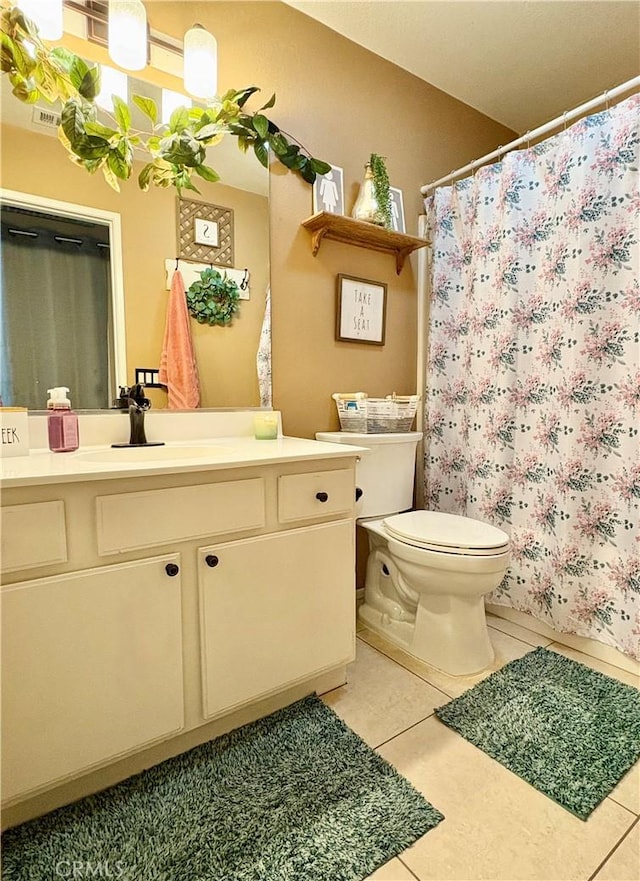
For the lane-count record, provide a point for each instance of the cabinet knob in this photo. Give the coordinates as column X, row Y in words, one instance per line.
column 171, row 569
column 211, row 560
column 322, row 497
column 359, row 493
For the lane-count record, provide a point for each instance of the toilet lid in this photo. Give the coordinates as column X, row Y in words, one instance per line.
column 447, row 533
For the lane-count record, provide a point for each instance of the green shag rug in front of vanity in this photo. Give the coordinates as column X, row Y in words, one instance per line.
column 296, row 796
column 566, row 729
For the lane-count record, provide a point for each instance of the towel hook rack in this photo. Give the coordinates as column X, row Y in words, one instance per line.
column 244, row 284
column 177, row 261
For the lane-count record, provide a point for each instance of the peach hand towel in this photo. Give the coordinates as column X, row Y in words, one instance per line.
column 178, row 370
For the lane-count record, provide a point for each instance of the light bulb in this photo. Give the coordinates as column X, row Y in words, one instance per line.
column 128, row 34
column 200, row 63
column 47, row 15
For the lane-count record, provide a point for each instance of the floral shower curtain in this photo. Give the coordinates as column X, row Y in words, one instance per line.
column 533, row 409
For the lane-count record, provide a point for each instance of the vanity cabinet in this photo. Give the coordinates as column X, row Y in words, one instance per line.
column 91, row 669
column 273, row 610
column 166, row 603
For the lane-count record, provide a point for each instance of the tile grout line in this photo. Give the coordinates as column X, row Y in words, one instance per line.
column 619, row 803
column 404, row 730
column 613, row 849
column 413, row 874
column 407, row 670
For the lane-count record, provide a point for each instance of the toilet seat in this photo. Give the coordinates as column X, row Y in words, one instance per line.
column 447, row 533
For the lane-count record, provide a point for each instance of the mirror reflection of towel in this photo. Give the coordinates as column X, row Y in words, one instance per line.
column 178, row 369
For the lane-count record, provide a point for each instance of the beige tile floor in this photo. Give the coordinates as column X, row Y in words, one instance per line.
column 496, row 826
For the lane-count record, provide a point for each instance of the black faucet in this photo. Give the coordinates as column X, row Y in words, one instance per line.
column 138, row 405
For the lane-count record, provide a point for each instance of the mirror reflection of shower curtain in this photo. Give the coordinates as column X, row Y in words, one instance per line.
column 263, row 357
column 54, row 319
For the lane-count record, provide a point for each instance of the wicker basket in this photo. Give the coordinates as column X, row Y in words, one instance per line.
column 363, row 415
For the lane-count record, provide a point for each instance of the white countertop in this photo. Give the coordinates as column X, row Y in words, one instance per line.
column 105, row 463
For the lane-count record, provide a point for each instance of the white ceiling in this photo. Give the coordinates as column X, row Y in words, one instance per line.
column 520, row 62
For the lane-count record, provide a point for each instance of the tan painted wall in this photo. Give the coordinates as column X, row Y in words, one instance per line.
column 36, row 163
column 342, row 102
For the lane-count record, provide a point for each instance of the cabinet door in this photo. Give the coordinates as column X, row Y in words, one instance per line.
column 91, row 669
column 275, row 610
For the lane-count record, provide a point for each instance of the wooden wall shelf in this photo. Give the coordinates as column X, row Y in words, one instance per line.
column 339, row 228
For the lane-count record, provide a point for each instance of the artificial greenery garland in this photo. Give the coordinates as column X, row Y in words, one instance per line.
column 177, row 150
column 381, row 187
column 213, row 299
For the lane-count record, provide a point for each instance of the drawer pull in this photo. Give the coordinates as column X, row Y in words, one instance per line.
column 322, row 497
column 211, row 560
column 171, row 569
column 359, row 493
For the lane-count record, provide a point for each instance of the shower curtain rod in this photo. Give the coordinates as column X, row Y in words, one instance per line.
column 536, row 133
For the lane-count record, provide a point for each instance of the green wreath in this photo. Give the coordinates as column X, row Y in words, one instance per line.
column 213, row 298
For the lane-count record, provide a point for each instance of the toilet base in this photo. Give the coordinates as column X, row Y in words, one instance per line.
column 449, row 633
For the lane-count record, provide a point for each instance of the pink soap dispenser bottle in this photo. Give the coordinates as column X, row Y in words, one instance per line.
column 62, row 422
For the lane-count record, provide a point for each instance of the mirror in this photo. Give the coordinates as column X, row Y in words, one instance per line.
column 34, row 163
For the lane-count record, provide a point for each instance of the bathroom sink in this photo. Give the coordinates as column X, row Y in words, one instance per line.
column 134, row 455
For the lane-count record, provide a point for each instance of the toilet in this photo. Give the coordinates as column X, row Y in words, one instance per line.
column 427, row 572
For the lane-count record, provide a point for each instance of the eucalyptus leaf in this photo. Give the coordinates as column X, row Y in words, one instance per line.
column 208, row 173
column 26, row 92
column 62, row 58
column 307, row 172
column 270, row 103
column 90, row 85
column 79, row 69
column 279, row 144
column 179, row 119
column 242, row 96
column 118, row 165
column 121, row 113
column 148, row 107
column 261, row 125
column 319, row 166
column 262, row 154
column 96, row 128
column 207, row 131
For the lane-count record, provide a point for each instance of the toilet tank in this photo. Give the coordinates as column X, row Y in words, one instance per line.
column 386, row 474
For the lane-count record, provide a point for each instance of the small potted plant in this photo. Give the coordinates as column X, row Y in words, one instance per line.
column 374, row 202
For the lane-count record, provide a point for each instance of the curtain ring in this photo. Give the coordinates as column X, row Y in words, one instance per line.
column 606, row 99
column 528, row 138
column 564, row 120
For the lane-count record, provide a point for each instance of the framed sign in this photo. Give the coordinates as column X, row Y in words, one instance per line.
column 205, row 232
column 328, row 192
column 360, row 310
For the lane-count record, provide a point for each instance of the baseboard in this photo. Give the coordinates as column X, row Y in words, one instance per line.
column 591, row 647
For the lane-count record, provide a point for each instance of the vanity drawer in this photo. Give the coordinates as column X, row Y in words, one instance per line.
column 33, row 535
column 305, row 496
column 128, row 521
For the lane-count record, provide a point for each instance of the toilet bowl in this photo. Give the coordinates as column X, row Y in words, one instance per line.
column 427, row 576
column 427, row 572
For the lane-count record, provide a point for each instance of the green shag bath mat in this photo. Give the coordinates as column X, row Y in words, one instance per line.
column 567, row 730
column 296, row 796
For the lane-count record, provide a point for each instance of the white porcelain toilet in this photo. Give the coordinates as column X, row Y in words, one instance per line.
column 427, row 572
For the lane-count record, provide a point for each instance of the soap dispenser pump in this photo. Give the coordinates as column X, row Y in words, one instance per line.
column 62, row 422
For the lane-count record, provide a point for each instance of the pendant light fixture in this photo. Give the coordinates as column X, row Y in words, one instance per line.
column 200, row 63
column 128, row 33
column 47, row 15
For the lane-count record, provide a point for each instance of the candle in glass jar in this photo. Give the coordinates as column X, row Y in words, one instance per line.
column 265, row 426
